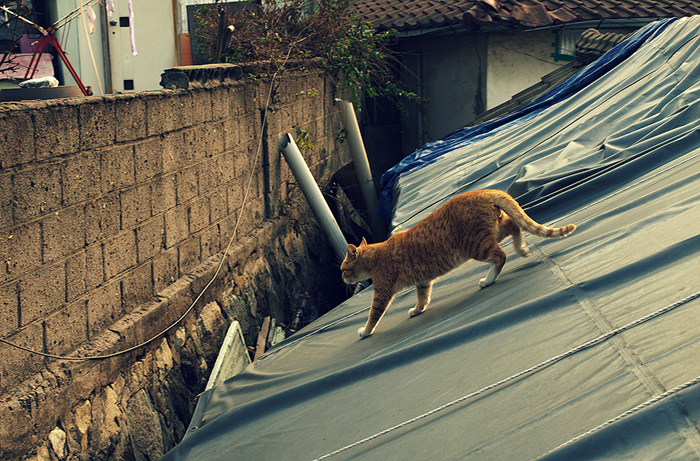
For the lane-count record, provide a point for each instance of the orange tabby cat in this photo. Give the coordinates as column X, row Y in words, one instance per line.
column 470, row 226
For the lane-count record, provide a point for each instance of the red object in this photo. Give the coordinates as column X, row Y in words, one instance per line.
column 44, row 41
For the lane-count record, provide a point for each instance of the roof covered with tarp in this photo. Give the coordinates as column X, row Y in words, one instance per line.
column 589, row 348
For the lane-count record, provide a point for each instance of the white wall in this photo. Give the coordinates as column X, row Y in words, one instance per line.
column 154, row 32
column 516, row 62
column 155, row 37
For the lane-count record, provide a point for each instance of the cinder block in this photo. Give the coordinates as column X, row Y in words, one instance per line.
column 76, row 275
column 221, row 103
column 201, row 103
column 81, row 177
column 104, row 307
column 136, row 205
column 102, row 218
column 159, row 115
column 172, row 151
column 163, row 194
column 165, row 269
column 187, row 184
column 176, row 225
column 97, row 120
column 17, row 365
column 137, row 287
column 131, row 114
column 67, row 328
column 148, row 158
column 17, row 138
column 9, row 309
column 20, row 250
column 119, row 254
column 150, row 238
column 218, row 204
column 189, row 255
column 232, row 137
column 56, row 131
column 184, row 114
column 41, row 292
column 226, row 229
column 6, row 218
column 195, row 144
column 210, row 241
column 199, row 214
column 214, row 138
column 37, row 191
column 94, row 266
column 64, row 233
column 117, row 168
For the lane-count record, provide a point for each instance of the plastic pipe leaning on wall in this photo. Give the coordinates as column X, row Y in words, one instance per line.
column 313, row 194
column 362, row 169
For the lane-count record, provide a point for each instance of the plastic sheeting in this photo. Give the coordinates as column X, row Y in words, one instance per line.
column 574, row 353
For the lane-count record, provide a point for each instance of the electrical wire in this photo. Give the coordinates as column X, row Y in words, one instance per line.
column 218, row 268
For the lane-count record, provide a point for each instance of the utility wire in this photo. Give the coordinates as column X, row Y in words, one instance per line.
column 218, row 268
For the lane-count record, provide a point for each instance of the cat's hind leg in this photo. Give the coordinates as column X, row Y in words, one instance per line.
column 508, row 227
column 423, row 291
column 519, row 245
column 497, row 258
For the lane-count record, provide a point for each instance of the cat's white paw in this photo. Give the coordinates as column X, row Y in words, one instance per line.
column 362, row 332
column 483, row 283
column 524, row 251
column 414, row 311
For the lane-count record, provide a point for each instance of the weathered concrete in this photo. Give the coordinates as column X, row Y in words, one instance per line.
column 115, row 214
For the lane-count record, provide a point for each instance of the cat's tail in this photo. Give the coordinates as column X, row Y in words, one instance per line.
column 508, row 204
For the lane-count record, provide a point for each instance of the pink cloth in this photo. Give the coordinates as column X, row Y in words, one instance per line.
column 15, row 66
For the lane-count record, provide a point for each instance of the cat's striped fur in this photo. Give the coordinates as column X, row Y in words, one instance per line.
column 470, row 226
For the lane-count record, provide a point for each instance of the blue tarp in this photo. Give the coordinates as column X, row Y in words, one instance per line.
column 588, row 349
column 466, row 136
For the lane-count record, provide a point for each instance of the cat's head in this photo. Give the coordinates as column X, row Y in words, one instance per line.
column 353, row 268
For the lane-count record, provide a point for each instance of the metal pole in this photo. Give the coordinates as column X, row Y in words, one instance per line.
column 313, row 194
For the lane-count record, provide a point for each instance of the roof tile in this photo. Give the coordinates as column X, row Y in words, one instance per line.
column 426, row 14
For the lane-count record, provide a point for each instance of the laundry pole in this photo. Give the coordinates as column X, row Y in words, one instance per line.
column 313, row 194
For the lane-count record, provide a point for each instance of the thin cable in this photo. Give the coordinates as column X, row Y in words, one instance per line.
column 627, row 413
column 218, row 268
column 527, row 371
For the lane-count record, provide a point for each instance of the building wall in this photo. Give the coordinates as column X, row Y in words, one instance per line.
column 462, row 75
column 516, row 62
column 115, row 211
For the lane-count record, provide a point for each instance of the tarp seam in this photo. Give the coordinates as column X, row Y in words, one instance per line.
column 641, row 406
column 528, row 371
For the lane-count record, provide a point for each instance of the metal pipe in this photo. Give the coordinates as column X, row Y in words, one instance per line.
column 313, row 194
column 362, row 169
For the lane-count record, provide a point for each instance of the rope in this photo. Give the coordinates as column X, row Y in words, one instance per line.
column 527, row 371
column 627, row 413
column 218, row 267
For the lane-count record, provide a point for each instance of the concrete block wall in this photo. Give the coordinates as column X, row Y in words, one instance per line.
column 105, row 202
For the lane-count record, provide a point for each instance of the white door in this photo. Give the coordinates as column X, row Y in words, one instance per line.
column 154, row 39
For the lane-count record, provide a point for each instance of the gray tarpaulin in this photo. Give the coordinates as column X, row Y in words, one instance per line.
column 588, row 349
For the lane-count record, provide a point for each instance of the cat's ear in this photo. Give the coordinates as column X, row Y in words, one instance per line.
column 352, row 250
column 363, row 242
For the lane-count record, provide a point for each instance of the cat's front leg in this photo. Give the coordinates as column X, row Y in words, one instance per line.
column 423, row 291
column 380, row 302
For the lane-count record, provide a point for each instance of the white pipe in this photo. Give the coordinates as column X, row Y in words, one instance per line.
column 362, row 169
column 313, row 194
